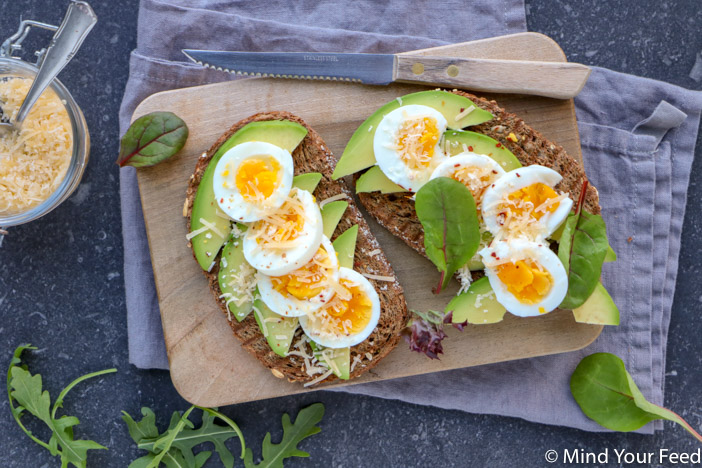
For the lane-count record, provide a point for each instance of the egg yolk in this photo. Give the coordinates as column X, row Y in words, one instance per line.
column 257, row 177
column 528, row 282
column 416, row 140
column 476, row 179
column 532, row 200
column 352, row 313
column 307, row 281
column 279, row 228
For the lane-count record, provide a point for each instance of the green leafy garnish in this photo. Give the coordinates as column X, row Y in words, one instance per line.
column 608, row 395
column 304, row 426
column 26, row 389
column 447, row 211
column 582, row 250
column 174, row 448
column 151, row 139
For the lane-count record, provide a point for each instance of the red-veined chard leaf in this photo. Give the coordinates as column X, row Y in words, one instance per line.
column 151, row 139
column 447, row 211
column 607, row 394
column 582, row 250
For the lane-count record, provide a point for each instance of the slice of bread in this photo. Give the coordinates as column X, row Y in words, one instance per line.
column 312, row 155
column 395, row 211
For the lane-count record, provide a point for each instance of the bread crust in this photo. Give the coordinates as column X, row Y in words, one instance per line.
column 395, row 211
column 312, row 155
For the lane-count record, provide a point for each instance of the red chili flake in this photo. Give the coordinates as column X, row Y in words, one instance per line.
column 499, row 145
column 493, row 185
column 494, row 172
column 462, row 109
column 494, row 254
column 284, row 255
column 517, row 174
column 470, row 148
column 456, row 165
column 221, row 200
column 409, row 189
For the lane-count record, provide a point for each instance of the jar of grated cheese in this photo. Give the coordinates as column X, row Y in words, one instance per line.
column 42, row 164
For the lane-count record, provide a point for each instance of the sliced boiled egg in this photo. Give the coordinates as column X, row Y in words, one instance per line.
column 527, row 277
column 286, row 238
column 406, row 145
column 251, row 179
column 349, row 318
column 475, row 171
column 522, row 203
column 306, row 289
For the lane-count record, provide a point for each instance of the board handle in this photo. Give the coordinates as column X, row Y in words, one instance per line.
column 560, row 80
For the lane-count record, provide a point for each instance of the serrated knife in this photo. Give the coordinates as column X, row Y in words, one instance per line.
column 561, row 80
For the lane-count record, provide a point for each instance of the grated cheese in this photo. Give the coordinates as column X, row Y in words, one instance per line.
column 464, row 113
column 390, row 279
column 33, row 162
column 264, row 329
column 465, row 278
column 356, row 360
column 375, row 252
column 339, row 196
column 318, row 379
column 196, row 232
column 211, row 226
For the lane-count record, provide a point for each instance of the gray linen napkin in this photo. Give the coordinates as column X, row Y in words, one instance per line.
column 638, row 151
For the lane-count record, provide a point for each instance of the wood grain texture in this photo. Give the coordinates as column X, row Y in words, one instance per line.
column 208, row 366
column 550, row 79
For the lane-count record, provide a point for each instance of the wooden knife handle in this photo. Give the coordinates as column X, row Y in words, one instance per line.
column 561, row 80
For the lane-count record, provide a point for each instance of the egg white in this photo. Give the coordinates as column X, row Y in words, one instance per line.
column 518, row 179
column 227, row 195
column 389, row 159
column 339, row 340
column 471, row 160
column 279, row 261
column 291, row 306
column 520, row 249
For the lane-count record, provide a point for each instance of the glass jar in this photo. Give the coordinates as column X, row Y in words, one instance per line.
column 11, row 66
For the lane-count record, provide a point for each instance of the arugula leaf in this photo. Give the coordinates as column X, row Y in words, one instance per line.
column 447, row 211
column 27, row 390
column 151, row 139
column 174, row 448
column 608, row 395
column 293, row 434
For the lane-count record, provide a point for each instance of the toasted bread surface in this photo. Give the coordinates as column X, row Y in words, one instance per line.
column 395, row 211
column 312, row 155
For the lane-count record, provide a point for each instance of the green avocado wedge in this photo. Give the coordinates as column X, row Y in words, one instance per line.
column 278, row 330
column 478, row 305
column 308, row 181
column 230, row 266
column 345, row 246
column 598, row 309
column 282, row 133
column 480, row 144
column 358, row 154
column 331, row 215
column 374, row 180
column 338, row 359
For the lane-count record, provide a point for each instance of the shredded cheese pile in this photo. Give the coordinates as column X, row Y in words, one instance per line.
column 34, row 161
column 519, row 217
column 280, row 229
column 415, row 141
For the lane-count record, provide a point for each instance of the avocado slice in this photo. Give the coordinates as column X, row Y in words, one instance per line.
column 358, row 153
column 331, row 214
column 611, row 255
column 599, row 309
column 279, row 332
column 345, row 246
column 480, row 144
column 231, row 264
column 282, row 133
column 338, row 360
column 374, row 180
column 478, row 305
column 308, row 181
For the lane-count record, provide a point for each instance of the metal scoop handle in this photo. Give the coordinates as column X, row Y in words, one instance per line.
column 76, row 25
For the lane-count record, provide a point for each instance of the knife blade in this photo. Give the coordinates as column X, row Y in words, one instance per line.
column 561, row 80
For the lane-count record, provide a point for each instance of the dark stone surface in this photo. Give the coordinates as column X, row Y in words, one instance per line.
column 61, row 285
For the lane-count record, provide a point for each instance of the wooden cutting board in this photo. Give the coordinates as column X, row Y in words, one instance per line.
column 208, row 366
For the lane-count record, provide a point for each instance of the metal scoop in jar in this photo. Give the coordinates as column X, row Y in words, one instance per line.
column 69, row 36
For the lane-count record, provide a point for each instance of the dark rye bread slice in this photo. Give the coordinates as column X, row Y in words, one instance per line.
column 312, row 155
column 395, row 211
